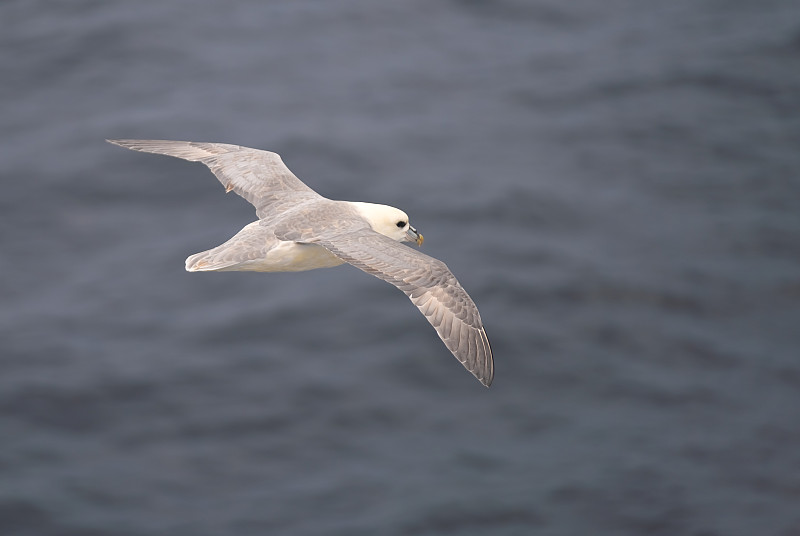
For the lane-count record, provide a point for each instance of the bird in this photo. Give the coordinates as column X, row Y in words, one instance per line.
column 298, row 229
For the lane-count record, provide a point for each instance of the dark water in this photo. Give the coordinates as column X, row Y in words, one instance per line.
column 616, row 184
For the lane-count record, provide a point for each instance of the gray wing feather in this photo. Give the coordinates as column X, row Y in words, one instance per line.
column 258, row 176
column 430, row 285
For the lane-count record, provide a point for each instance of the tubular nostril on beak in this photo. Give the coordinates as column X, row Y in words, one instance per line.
column 414, row 236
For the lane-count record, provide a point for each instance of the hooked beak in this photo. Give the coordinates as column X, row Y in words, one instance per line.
column 414, row 236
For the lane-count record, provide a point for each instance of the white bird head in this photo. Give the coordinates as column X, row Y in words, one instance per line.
column 389, row 221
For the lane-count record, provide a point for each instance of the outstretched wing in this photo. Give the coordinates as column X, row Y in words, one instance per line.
column 430, row 285
column 260, row 177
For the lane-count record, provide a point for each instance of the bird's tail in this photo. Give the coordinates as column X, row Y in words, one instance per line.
column 208, row 261
column 238, row 253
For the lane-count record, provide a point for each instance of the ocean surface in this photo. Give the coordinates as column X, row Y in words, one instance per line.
column 616, row 184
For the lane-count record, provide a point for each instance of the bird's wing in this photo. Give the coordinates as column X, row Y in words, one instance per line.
column 260, row 177
column 429, row 284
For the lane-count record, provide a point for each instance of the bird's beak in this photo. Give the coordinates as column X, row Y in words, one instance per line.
column 414, row 236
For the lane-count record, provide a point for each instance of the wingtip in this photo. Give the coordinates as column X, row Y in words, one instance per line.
column 119, row 143
column 486, row 381
column 130, row 143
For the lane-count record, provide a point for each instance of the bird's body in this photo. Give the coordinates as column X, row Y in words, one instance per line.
column 299, row 230
column 256, row 249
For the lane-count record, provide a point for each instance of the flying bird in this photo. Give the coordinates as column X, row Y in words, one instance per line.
column 298, row 230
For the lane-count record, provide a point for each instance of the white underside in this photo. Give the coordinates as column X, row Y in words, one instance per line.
column 290, row 257
column 285, row 257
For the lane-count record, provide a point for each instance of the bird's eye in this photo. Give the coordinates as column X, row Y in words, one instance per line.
column 401, row 224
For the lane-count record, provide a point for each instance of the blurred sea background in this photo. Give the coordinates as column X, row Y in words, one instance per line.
column 616, row 184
